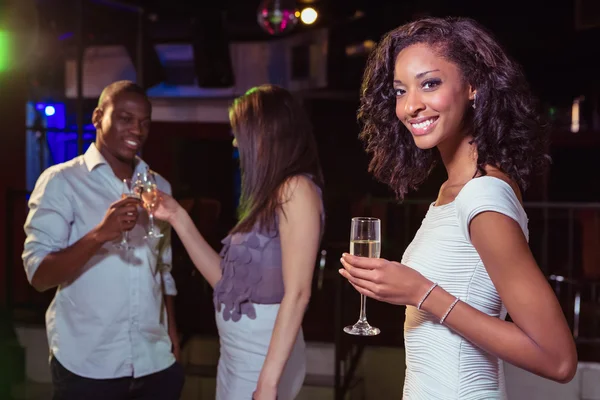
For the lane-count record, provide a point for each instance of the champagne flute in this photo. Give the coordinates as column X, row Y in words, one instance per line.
column 149, row 194
column 365, row 241
column 129, row 190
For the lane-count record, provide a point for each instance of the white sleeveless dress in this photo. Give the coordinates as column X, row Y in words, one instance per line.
column 441, row 364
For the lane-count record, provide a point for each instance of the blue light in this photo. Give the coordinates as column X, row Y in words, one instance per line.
column 39, row 106
column 49, row 110
column 66, row 35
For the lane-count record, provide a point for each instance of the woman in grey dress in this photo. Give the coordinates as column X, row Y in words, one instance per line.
column 262, row 277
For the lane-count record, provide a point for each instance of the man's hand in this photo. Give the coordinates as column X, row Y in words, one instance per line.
column 174, row 336
column 121, row 216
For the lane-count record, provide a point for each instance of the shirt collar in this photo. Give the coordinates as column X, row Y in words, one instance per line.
column 94, row 158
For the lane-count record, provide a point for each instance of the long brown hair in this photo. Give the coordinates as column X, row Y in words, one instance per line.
column 276, row 142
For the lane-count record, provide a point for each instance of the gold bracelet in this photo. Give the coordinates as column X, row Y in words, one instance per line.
column 449, row 309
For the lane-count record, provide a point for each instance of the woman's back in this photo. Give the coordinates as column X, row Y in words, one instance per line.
column 252, row 270
column 247, row 300
column 251, row 264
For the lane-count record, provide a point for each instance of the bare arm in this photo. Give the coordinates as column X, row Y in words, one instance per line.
column 539, row 340
column 299, row 230
column 170, row 306
column 63, row 265
column 165, row 265
column 173, row 332
column 206, row 260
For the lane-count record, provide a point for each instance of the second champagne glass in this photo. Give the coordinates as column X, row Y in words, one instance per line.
column 149, row 194
column 129, row 190
column 365, row 241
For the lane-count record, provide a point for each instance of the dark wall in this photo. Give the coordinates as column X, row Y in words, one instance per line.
column 13, row 95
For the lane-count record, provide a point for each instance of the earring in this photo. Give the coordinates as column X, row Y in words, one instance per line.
column 474, row 101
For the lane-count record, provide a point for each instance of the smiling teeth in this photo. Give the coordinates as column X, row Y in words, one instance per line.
column 131, row 142
column 423, row 124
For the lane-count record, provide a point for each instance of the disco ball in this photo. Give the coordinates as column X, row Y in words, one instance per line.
column 277, row 17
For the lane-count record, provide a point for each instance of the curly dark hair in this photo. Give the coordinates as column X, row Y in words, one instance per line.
column 506, row 128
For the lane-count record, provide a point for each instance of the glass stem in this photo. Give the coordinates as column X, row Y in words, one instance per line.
column 151, row 219
column 363, row 308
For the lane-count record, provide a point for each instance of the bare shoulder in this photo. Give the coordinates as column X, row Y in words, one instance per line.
column 298, row 186
column 299, row 196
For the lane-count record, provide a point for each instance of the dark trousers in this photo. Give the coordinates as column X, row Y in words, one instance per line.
column 163, row 385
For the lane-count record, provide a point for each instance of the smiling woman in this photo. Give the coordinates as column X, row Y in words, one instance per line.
column 431, row 96
column 431, row 66
column 455, row 92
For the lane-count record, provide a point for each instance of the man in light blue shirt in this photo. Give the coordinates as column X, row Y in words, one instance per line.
column 111, row 329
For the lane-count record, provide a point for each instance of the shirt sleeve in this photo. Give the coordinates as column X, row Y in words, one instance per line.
column 165, row 256
column 488, row 194
column 48, row 223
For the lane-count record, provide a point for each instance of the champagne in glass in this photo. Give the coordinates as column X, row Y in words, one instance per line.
column 365, row 248
column 365, row 241
column 129, row 190
column 149, row 195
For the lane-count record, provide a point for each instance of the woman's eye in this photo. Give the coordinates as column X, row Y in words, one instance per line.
column 428, row 85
